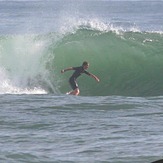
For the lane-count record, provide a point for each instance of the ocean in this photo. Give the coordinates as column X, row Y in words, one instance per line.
column 119, row 119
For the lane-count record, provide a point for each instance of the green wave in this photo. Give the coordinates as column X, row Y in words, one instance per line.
column 127, row 63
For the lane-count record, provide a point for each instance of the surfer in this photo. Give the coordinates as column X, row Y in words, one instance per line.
column 78, row 71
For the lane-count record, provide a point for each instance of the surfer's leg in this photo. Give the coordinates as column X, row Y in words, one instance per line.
column 75, row 92
column 74, row 86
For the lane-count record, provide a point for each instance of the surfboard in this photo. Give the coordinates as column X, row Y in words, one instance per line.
column 67, row 93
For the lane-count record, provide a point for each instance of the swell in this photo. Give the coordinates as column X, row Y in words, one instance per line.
column 127, row 63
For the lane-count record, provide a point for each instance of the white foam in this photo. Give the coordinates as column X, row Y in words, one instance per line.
column 21, row 66
column 71, row 24
column 7, row 86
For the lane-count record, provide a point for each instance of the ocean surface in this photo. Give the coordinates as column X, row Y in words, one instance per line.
column 119, row 119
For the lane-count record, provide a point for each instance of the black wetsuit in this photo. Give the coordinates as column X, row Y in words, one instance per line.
column 75, row 75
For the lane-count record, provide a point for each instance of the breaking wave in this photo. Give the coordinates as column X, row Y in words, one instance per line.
column 127, row 62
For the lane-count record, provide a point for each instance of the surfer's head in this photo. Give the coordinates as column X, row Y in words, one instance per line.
column 85, row 64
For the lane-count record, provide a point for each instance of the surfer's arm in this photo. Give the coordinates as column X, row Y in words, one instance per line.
column 94, row 76
column 67, row 69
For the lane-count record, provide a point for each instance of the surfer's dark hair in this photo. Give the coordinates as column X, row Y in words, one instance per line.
column 85, row 63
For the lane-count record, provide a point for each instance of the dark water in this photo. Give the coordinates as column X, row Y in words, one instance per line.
column 48, row 128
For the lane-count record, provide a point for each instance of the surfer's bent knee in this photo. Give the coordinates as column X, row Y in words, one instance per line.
column 73, row 84
column 76, row 91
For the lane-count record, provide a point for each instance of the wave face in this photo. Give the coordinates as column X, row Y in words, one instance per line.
column 128, row 63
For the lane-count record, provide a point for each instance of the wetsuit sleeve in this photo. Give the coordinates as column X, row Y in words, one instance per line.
column 74, row 68
column 86, row 72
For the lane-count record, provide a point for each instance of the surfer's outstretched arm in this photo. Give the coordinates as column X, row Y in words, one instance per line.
column 67, row 69
column 94, row 76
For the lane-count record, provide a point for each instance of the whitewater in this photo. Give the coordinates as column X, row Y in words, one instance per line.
column 119, row 119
